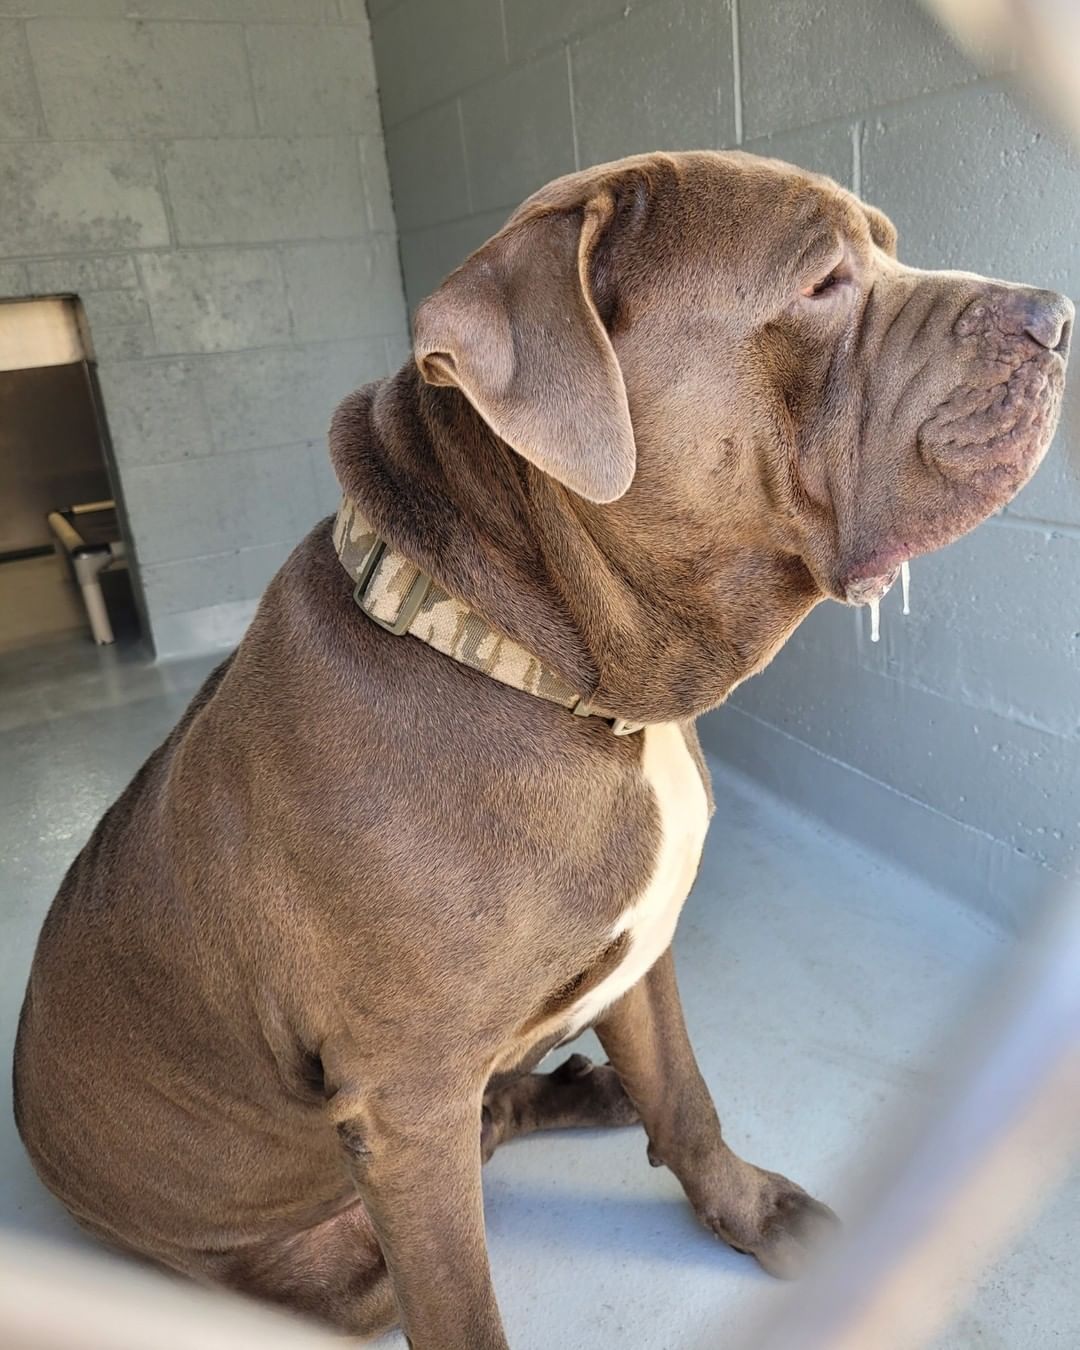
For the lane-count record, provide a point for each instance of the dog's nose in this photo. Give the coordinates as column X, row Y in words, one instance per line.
column 1048, row 318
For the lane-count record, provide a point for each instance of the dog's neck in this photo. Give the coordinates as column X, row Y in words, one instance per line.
column 612, row 597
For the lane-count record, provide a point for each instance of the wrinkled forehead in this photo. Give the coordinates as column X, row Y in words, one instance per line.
column 755, row 223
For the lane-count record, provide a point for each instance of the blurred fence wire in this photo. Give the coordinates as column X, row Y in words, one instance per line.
column 1041, row 38
column 61, row 1298
column 973, row 1169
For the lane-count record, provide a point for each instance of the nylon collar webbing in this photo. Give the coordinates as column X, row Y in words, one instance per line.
column 400, row 597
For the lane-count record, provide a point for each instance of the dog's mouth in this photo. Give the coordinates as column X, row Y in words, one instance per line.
column 981, row 445
column 992, row 435
column 871, row 590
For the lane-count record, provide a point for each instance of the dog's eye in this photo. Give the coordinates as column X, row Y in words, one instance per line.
column 836, row 277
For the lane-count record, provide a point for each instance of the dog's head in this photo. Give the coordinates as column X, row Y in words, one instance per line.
column 726, row 353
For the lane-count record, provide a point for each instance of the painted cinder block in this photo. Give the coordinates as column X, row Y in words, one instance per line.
column 15, row 281
column 194, row 507
column 90, row 9
column 281, row 396
column 1054, row 493
column 326, row 487
column 427, row 168
column 311, row 80
column 658, row 79
column 125, row 342
column 79, row 197
column 989, row 628
column 77, row 276
column 973, row 182
column 962, row 862
column 151, row 105
column 195, row 632
column 804, row 63
column 532, row 27
column 216, row 578
column 376, row 178
column 155, row 411
column 18, row 107
column 212, row 300
column 137, row 79
column 507, row 157
column 426, row 50
column 344, row 290
column 398, row 350
column 114, row 308
column 247, row 11
column 264, row 189
column 1018, row 783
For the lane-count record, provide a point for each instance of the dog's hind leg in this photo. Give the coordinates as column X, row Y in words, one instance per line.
column 333, row 1272
column 577, row 1094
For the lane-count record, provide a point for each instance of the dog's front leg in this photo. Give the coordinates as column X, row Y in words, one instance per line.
column 645, row 1037
column 415, row 1155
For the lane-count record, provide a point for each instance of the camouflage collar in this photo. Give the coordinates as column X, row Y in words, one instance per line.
column 399, row 597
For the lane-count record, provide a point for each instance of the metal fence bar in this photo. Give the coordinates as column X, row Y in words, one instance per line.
column 62, row 1298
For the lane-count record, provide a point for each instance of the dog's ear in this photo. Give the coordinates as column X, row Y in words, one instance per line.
column 516, row 329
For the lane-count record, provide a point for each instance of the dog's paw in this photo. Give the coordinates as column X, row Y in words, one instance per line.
column 599, row 1098
column 613, row 1106
column 785, row 1230
column 577, row 1066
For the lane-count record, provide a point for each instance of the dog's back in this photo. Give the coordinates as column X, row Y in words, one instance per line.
column 141, row 1047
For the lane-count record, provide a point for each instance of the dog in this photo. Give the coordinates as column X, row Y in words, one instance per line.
column 440, row 810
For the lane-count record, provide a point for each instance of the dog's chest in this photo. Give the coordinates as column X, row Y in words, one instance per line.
column 649, row 921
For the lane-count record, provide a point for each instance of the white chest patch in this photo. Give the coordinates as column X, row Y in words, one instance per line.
column 683, row 808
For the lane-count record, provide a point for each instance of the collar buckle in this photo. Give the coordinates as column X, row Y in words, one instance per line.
column 409, row 607
column 619, row 725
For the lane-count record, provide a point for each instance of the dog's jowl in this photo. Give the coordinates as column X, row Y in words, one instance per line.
column 440, row 810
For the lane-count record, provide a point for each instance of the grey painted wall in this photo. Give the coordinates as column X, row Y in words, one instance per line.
column 209, row 177
column 954, row 742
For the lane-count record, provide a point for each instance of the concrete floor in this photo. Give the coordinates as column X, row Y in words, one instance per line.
column 817, row 980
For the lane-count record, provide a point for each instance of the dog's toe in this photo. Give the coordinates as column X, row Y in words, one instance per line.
column 577, row 1066
column 793, row 1233
column 782, row 1227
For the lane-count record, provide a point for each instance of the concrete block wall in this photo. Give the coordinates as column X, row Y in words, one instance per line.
column 209, row 177
column 955, row 742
